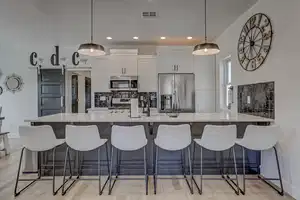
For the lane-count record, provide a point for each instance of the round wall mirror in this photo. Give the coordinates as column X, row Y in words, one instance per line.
column 14, row 83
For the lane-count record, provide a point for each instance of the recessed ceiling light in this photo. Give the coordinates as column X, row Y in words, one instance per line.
column 189, row 37
column 162, row 38
column 109, row 38
column 135, row 37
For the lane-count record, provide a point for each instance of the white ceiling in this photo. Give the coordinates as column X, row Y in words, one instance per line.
column 121, row 19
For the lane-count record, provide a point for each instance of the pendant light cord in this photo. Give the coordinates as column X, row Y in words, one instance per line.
column 205, row 21
column 92, row 21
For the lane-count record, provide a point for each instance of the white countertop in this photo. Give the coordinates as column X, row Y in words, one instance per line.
column 155, row 117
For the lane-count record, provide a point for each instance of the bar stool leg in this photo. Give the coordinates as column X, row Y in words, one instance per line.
column 193, row 165
column 107, row 160
column 279, row 172
column 201, row 170
column 99, row 171
column 191, row 172
column 67, row 160
column 110, row 171
column 244, row 173
column 281, row 191
column 145, row 170
column 156, row 169
column 236, row 173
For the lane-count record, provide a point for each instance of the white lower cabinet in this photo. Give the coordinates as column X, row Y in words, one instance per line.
column 147, row 75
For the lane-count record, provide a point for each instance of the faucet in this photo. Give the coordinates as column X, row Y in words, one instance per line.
column 146, row 105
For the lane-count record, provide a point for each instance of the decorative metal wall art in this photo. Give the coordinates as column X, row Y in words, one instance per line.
column 255, row 42
column 1, row 73
column 14, row 83
column 1, row 90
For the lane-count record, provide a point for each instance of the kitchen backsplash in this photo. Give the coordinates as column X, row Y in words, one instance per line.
column 257, row 99
column 103, row 99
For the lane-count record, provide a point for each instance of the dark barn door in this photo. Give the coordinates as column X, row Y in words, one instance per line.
column 51, row 92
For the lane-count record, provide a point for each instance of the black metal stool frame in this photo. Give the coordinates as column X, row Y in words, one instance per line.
column 39, row 178
column 64, row 191
column 155, row 166
column 229, row 181
column 111, row 185
column 260, row 177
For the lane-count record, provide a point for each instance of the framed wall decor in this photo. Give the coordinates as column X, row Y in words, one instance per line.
column 255, row 41
column 14, row 83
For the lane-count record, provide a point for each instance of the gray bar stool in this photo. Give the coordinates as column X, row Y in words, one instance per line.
column 127, row 138
column 38, row 139
column 173, row 138
column 84, row 139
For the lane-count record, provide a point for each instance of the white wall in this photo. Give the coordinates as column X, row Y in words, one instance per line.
column 23, row 29
column 281, row 66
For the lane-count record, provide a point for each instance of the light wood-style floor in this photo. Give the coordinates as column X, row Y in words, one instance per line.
column 125, row 190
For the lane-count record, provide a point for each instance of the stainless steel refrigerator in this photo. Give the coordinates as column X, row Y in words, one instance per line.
column 176, row 89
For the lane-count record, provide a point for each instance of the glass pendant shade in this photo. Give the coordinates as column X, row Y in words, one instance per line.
column 206, row 49
column 91, row 49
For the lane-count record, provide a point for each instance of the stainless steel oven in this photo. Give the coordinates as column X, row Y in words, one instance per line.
column 123, row 83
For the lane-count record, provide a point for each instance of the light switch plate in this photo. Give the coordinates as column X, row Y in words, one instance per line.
column 248, row 100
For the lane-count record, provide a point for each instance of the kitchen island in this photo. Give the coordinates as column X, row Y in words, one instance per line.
column 133, row 163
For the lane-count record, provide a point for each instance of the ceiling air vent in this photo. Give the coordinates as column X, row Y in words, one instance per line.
column 149, row 15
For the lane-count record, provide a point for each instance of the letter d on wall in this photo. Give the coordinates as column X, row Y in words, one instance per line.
column 55, row 57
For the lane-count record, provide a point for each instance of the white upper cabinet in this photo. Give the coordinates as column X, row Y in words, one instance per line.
column 123, row 65
column 147, row 75
column 174, row 59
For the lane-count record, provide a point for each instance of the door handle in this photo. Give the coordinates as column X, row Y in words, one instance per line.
column 62, row 101
column 125, row 70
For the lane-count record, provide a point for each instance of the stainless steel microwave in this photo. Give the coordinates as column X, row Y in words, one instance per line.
column 123, row 83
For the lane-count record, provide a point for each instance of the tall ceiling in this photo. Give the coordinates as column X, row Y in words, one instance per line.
column 121, row 19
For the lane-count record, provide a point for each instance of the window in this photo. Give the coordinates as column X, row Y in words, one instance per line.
column 227, row 87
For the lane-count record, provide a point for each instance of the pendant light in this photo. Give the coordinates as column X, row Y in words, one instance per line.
column 91, row 49
column 206, row 48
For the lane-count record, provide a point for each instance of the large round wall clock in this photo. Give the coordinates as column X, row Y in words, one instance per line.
column 255, row 42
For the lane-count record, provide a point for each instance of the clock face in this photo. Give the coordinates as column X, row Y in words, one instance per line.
column 255, row 42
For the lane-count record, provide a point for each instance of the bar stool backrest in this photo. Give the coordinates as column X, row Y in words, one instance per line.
column 173, row 137
column 261, row 137
column 37, row 138
column 83, row 138
column 219, row 138
column 128, row 138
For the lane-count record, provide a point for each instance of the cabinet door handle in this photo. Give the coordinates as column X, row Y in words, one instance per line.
column 125, row 70
column 62, row 101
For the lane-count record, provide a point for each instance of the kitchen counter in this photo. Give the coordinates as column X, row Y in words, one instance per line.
column 155, row 117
